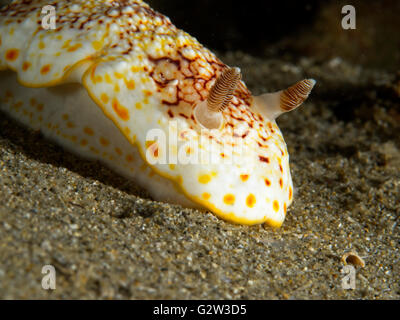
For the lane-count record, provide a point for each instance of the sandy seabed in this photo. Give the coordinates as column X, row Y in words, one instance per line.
column 108, row 239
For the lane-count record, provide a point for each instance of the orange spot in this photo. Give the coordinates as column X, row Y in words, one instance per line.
column 138, row 105
column 65, row 117
column 120, row 110
column 130, row 84
column 118, row 151
column 74, row 138
column 284, row 207
column 229, row 199
column 275, row 205
column 251, row 200
column 244, row 177
column 129, row 158
column 32, row 101
column 206, row 195
column 290, row 193
column 88, row 131
column 25, row 66
column 8, row 94
column 281, row 182
column 104, row 97
column 204, row 178
column 147, row 93
column 267, row 182
column 84, row 142
column 12, row 54
column 104, row 142
column 39, row 107
column 70, row 124
column 45, row 69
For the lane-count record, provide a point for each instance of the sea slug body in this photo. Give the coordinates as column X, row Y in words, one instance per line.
column 115, row 81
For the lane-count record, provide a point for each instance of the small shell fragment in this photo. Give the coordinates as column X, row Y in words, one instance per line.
column 352, row 258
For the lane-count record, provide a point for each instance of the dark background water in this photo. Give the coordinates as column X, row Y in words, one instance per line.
column 289, row 28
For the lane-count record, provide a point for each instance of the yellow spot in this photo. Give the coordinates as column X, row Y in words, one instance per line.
column 206, row 195
column 172, row 166
column 66, row 44
column 138, row 105
column 229, row 199
column 12, row 54
column 88, row 131
column 42, row 45
column 129, row 158
column 135, row 69
column 104, row 97
column 204, row 178
column 116, row 87
column 120, row 110
column 118, row 75
column 146, row 100
column 74, row 47
column 275, row 205
column 59, row 37
column 149, row 143
column 25, row 66
column 104, row 142
column 45, row 69
column 130, row 84
column 251, row 200
column 96, row 45
column 244, row 177
column 107, row 78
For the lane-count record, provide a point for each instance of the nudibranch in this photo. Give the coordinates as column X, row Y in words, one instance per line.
column 115, row 81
